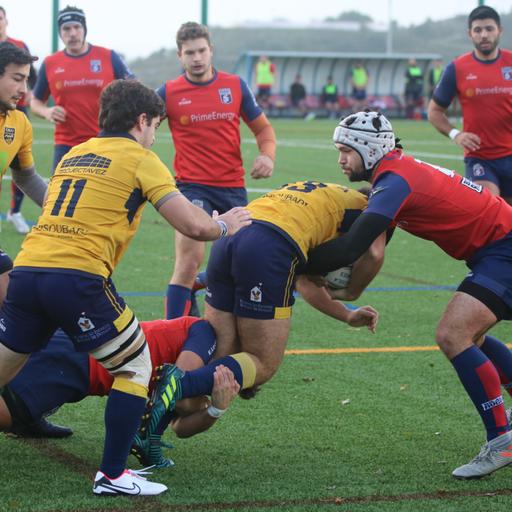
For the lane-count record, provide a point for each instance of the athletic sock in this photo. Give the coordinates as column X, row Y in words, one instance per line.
column 482, row 383
column 178, row 301
column 501, row 357
column 16, row 198
column 123, row 414
column 200, row 382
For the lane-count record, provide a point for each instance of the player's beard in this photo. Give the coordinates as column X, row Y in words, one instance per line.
column 6, row 107
column 490, row 49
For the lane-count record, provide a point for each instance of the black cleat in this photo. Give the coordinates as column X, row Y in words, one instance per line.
column 41, row 428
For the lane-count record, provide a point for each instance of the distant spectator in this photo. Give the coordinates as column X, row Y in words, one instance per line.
column 298, row 95
column 359, row 82
column 434, row 75
column 329, row 98
column 413, row 90
column 265, row 79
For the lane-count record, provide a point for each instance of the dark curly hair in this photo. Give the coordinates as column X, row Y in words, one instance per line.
column 483, row 12
column 123, row 101
column 10, row 54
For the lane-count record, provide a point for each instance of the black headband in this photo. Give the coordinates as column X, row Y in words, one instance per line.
column 71, row 16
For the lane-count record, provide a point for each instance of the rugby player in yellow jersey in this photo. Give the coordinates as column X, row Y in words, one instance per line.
column 61, row 277
column 16, row 135
column 251, row 278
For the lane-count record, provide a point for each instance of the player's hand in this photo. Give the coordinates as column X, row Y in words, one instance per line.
column 235, row 219
column 467, row 140
column 56, row 114
column 225, row 387
column 262, row 167
column 365, row 315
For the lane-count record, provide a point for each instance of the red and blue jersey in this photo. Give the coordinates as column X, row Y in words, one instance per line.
column 20, row 44
column 438, row 204
column 76, row 83
column 204, row 119
column 484, row 89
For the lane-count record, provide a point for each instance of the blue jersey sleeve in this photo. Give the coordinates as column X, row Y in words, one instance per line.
column 388, row 195
column 41, row 90
column 250, row 108
column 121, row 69
column 161, row 92
column 446, row 89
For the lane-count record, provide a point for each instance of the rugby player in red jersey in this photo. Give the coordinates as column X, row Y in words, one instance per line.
column 75, row 77
column 466, row 221
column 482, row 80
column 204, row 107
column 14, row 214
column 58, row 375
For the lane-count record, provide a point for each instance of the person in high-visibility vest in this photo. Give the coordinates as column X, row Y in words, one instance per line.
column 359, row 82
column 329, row 98
column 413, row 89
column 434, row 75
column 265, row 79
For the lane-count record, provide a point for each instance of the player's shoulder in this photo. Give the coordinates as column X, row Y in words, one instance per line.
column 506, row 55
column 465, row 58
column 16, row 42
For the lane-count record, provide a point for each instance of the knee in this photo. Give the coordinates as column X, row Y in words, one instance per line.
column 446, row 340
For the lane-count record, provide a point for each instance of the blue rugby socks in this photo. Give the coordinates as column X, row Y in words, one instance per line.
column 501, row 357
column 482, row 383
column 123, row 414
column 178, row 301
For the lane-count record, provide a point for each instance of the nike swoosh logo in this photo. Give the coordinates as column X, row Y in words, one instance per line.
column 134, row 489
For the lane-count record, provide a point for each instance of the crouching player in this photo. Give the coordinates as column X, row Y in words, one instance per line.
column 64, row 375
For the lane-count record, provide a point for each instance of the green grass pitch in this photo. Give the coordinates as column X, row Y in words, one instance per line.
column 366, row 431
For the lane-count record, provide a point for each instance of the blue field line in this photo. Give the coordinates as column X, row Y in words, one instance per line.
column 374, row 289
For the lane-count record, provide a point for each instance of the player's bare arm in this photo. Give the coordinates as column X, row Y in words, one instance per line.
column 263, row 165
column 437, row 117
column 56, row 114
column 225, row 389
column 319, row 298
column 195, row 223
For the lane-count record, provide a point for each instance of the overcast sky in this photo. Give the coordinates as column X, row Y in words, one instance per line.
column 136, row 28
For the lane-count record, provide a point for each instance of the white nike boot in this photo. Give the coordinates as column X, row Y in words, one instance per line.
column 130, row 483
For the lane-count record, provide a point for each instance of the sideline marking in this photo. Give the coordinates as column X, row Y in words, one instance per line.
column 320, row 351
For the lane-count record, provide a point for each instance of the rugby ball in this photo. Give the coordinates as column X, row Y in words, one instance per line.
column 339, row 278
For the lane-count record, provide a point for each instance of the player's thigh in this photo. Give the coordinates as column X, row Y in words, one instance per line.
column 224, row 324
column 189, row 252
column 266, row 341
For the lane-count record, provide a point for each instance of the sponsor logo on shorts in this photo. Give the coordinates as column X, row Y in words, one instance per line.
column 198, row 202
column 85, row 323
column 478, row 169
column 492, row 403
column 96, row 66
column 9, row 134
column 225, row 96
column 256, row 294
column 2, row 325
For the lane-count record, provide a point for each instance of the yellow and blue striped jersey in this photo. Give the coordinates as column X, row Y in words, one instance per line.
column 15, row 140
column 94, row 205
column 309, row 213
